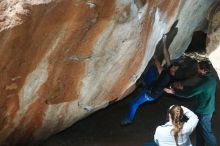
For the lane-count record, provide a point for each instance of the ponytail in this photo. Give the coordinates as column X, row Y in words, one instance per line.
column 176, row 114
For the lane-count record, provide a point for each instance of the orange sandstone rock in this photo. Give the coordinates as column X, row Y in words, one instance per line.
column 61, row 60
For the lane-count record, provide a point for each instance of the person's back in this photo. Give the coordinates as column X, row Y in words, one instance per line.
column 206, row 99
column 176, row 132
column 167, row 139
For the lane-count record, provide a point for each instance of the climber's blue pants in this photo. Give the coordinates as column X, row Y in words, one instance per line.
column 150, row 76
column 141, row 98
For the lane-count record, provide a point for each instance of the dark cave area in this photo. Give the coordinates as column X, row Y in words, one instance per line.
column 198, row 43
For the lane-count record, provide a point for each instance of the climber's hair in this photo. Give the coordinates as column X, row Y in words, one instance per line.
column 176, row 115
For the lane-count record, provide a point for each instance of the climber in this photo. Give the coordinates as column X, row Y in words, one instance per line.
column 155, row 89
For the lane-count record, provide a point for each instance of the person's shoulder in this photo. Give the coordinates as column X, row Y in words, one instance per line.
column 162, row 130
column 206, row 80
column 158, row 130
column 209, row 76
column 166, row 125
column 159, row 127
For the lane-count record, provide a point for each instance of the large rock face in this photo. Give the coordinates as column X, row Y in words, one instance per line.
column 61, row 60
column 213, row 42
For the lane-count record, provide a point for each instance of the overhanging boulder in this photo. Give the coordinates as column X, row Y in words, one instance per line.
column 63, row 60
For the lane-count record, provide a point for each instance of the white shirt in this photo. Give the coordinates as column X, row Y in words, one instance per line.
column 164, row 137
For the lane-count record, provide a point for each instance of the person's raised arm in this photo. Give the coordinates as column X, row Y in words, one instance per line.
column 190, row 125
column 166, row 53
column 158, row 65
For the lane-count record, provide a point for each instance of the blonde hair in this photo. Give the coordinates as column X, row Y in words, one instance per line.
column 176, row 115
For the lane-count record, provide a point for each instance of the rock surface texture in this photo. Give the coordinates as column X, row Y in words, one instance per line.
column 61, row 60
column 213, row 41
